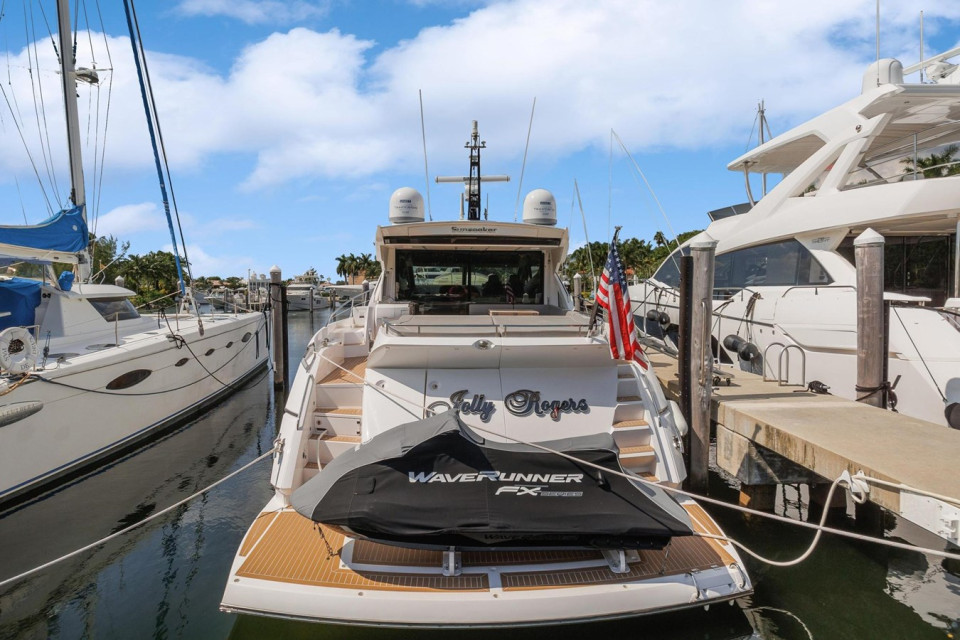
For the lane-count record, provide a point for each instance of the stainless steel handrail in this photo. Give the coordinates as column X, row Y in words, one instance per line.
column 818, row 286
column 499, row 328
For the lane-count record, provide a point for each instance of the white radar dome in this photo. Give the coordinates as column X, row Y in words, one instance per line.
column 540, row 207
column 885, row 71
column 406, row 205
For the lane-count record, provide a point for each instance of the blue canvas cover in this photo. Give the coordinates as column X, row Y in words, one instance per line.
column 19, row 296
column 65, row 231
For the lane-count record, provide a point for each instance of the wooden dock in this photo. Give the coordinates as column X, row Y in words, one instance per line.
column 827, row 435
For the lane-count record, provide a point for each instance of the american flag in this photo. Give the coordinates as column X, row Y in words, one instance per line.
column 613, row 296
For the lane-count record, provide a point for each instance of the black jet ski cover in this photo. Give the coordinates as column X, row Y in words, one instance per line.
column 437, row 482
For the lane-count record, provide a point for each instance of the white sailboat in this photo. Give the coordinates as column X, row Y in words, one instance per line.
column 785, row 284
column 83, row 375
column 409, row 487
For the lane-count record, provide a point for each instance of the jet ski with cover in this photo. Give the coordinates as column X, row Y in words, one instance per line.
column 435, row 482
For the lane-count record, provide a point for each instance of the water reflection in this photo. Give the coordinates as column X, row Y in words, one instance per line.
column 847, row 588
column 149, row 579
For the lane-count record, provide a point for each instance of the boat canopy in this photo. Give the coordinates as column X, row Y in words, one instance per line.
column 64, row 231
column 20, row 297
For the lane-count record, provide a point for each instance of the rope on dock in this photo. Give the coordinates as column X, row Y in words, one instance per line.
column 855, row 484
column 154, row 516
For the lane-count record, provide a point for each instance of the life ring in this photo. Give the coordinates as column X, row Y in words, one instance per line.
column 457, row 291
column 18, row 350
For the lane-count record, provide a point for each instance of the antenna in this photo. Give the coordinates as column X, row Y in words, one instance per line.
column 426, row 172
column 762, row 115
column 516, row 206
column 878, row 43
column 610, row 184
column 593, row 274
column 921, row 46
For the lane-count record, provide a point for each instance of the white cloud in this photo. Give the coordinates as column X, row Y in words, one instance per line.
column 206, row 264
column 675, row 75
column 130, row 219
column 256, row 11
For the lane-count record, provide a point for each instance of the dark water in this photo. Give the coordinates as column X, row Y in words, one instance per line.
column 165, row 579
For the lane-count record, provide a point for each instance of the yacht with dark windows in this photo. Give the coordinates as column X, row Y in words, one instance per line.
column 463, row 451
column 785, row 280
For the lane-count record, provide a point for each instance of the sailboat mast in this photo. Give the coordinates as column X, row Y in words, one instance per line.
column 69, row 79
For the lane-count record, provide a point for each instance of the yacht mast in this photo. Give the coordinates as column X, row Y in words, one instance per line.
column 472, row 182
column 69, row 79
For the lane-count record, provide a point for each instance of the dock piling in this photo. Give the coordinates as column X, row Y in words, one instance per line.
column 871, row 355
column 577, row 292
column 683, row 340
column 703, row 249
column 279, row 321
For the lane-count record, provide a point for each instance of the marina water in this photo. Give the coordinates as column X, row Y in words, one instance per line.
column 165, row 579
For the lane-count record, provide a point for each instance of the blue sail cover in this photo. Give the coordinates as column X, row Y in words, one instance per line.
column 65, row 231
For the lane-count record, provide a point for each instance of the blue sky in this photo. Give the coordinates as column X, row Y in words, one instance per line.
column 289, row 123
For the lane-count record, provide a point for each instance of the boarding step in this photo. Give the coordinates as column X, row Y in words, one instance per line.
column 639, row 459
column 350, row 370
column 340, row 421
column 325, row 447
column 628, row 387
column 631, row 433
column 629, row 408
column 343, row 387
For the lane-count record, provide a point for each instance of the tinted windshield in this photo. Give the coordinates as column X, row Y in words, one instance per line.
column 450, row 279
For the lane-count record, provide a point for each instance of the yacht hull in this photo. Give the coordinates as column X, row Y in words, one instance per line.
column 288, row 567
column 87, row 413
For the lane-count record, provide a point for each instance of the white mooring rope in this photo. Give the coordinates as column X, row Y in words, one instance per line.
column 116, row 534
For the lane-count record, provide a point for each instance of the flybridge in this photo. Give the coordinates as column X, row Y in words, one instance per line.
column 495, row 476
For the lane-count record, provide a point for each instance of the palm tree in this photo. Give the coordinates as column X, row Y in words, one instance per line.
column 342, row 266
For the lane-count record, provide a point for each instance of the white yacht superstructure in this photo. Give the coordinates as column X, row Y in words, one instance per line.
column 469, row 323
column 785, row 279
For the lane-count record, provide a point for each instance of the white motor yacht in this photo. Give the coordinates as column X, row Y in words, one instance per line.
column 785, row 280
column 83, row 376
column 303, row 296
column 417, row 481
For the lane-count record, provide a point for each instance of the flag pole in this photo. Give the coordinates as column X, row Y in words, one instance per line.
column 596, row 303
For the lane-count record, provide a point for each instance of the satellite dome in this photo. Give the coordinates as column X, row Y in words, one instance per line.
column 885, row 71
column 406, row 205
column 540, row 207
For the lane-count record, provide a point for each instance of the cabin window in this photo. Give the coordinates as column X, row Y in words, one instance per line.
column 128, row 379
column 446, row 281
column 786, row 263
column 114, row 308
column 914, row 265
